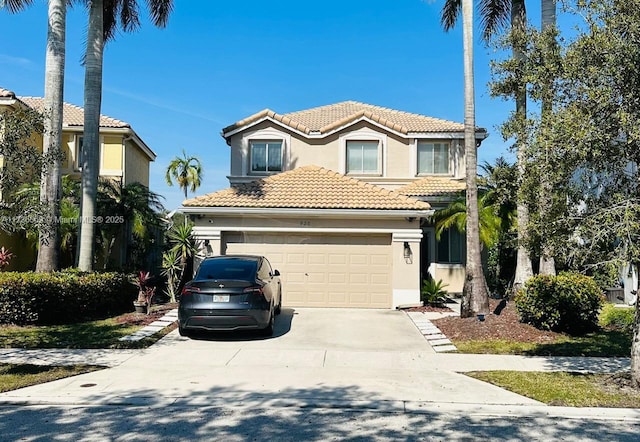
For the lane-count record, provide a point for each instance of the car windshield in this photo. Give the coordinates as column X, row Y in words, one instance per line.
column 241, row 269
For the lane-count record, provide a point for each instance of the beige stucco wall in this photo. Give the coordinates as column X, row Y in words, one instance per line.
column 398, row 160
column 405, row 271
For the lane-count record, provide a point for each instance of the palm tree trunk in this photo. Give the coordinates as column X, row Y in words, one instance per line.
column 51, row 181
column 91, row 144
column 547, row 262
column 524, row 269
column 475, row 296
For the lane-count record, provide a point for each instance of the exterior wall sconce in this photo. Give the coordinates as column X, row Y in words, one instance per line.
column 408, row 254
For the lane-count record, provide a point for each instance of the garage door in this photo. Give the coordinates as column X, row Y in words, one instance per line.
column 325, row 271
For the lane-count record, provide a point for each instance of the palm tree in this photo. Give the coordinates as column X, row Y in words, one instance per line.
column 547, row 262
column 186, row 171
column 455, row 216
column 103, row 24
column 495, row 14
column 50, row 181
column 133, row 210
column 475, row 294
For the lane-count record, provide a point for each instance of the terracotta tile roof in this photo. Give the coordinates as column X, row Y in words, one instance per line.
column 309, row 187
column 6, row 93
column 325, row 119
column 433, row 186
column 73, row 115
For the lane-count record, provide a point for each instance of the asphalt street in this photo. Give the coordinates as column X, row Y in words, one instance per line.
column 249, row 423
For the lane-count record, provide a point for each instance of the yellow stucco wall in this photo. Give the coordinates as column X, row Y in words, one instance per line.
column 136, row 165
column 111, row 155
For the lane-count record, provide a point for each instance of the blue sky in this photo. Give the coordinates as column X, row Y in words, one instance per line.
column 218, row 62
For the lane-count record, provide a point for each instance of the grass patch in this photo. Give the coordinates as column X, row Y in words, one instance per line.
column 567, row 389
column 103, row 333
column 14, row 376
column 606, row 343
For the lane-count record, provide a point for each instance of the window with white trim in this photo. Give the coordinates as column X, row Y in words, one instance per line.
column 450, row 247
column 266, row 156
column 433, row 158
column 362, row 157
column 79, row 144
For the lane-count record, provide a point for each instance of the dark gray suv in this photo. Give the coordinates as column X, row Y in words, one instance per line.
column 231, row 292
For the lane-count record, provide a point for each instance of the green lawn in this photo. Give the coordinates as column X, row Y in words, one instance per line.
column 602, row 343
column 566, row 389
column 94, row 334
column 14, row 376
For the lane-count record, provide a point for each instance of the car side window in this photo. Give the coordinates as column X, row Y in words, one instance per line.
column 267, row 268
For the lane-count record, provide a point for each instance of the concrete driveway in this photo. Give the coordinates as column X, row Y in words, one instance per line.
column 324, row 329
column 361, row 358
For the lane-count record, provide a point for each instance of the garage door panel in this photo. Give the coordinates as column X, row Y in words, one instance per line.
column 325, row 271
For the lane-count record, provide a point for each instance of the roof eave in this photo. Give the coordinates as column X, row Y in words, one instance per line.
column 480, row 133
column 359, row 213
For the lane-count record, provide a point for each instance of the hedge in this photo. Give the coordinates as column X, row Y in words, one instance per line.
column 569, row 302
column 62, row 297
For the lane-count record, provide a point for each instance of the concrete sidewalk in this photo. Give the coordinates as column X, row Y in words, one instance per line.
column 180, row 371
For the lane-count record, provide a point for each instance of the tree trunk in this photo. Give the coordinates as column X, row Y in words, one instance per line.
column 51, row 181
column 474, row 293
column 635, row 347
column 91, row 143
column 524, row 269
column 547, row 262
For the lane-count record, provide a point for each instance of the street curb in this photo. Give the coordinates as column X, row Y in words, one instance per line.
column 390, row 406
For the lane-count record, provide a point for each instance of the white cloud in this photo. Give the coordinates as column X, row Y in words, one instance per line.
column 162, row 105
column 19, row 61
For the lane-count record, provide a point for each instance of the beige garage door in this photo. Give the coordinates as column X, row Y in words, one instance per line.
column 325, row 271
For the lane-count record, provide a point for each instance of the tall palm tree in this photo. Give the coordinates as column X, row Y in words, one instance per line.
column 475, row 293
column 103, row 24
column 50, row 181
column 186, row 171
column 547, row 261
column 495, row 14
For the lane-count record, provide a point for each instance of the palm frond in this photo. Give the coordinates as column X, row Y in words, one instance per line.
column 495, row 15
column 450, row 13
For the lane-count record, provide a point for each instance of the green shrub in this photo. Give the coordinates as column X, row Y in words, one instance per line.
column 62, row 297
column 569, row 302
column 433, row 292
column 617, row 318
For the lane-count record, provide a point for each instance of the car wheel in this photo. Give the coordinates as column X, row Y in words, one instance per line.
column 268, row 330
column 183, row 331
column 279, row 306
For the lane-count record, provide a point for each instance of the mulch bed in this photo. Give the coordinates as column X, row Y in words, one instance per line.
column 429, row 308
column 503, row 326
column 157, row 312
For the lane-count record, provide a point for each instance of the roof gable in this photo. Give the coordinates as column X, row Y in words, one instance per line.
column 309, row 187
column 323, row 120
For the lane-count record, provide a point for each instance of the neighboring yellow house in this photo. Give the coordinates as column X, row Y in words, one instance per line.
column 338, row 198
column 124, row 156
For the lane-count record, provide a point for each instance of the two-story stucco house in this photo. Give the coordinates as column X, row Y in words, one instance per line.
column 124, row 156
column 338, row 198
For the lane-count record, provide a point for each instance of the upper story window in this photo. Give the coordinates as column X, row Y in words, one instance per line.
column 433, row 158
column 79, row 145
column 266, row 156
column 362, row 157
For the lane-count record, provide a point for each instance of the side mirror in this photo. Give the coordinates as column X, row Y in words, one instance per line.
column 276, row 273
